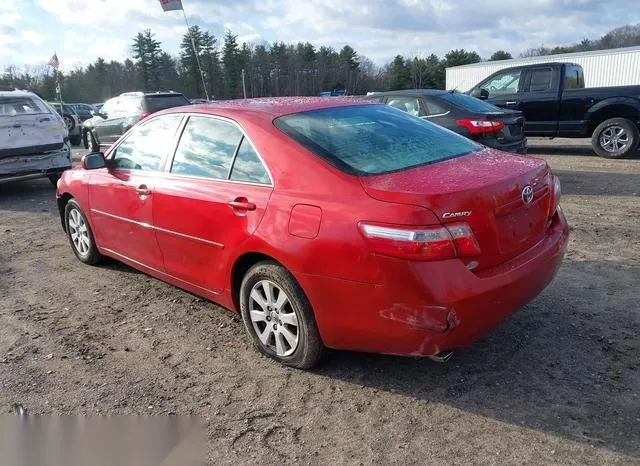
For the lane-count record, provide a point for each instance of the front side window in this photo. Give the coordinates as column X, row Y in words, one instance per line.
column 541, row 80
column 373, row 139
column 411, row 105
column 247, row 165
column 146, row 147
column 206, row 148
column 503, row 83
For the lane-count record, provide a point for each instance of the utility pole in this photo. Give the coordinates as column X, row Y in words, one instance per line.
column 244, row 86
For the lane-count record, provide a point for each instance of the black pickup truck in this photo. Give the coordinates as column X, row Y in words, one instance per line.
column 555, row 103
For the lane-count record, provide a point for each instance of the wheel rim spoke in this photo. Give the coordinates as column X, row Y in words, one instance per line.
column 258, row 299
column 289, row 318
column 265, row 335
column 291, row 339
column 258, row 316
column 280, row 348
column 282, row 301
column 268, row 291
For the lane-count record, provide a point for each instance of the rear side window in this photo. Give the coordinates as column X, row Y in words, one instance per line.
column 373, row 139
column 466, row 102
column 573, row 77
column 155, row 103
column 247, row 166
column 21, row 106
column 411, row 105
column 206, row 148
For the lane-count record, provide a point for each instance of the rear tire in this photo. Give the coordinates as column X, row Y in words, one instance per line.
column 54, row 179
column 270, row 297
column 615, row 138
column 80, row 235
column 75, row 140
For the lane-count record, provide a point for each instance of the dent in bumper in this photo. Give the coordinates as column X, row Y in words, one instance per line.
column 50, row 162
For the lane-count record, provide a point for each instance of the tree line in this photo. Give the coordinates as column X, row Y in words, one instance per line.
column 271, row 69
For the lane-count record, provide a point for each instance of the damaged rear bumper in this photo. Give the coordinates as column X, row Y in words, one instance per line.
column 38, row 165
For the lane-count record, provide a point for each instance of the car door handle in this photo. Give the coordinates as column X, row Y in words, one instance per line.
column 241, row 204
column 511, row 102
column 142, row 190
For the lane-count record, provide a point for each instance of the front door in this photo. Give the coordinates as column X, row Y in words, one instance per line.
column 121, row 196
column 211, row 200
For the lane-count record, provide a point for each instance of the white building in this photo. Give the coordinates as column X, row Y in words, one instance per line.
column 614, row 67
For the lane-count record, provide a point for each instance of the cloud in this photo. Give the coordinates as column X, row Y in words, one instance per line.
column 378, row 29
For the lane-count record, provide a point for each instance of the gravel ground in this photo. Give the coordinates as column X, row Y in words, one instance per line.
column 557, row 383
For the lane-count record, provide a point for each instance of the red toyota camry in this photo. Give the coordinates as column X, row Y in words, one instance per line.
column 324, row 222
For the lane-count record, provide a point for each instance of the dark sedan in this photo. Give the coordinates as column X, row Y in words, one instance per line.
column 473, row 118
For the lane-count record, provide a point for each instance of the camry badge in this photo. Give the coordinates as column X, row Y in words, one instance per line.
column 527, row 194
column 464, row 213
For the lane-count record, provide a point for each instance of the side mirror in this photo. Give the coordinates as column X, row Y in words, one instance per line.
column 93, row 161
column 480, row 93
column 93, row 112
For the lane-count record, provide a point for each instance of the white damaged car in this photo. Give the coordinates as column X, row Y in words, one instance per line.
column 34, row 141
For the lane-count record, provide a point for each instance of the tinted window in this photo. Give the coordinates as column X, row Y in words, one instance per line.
column 206, row 148
column 503, row 83
column 147, row 145
column 466, row 102
column 411, row 105
column 20, row 105
column 573, row 77
column 540, row 80
column 248, row 166
column 156, row 103
column 373, row 139
column 434, row 108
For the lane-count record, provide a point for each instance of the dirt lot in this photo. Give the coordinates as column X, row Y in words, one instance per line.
column 558, row 383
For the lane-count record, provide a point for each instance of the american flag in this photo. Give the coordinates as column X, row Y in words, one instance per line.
column 171, row 5
column 54, row 61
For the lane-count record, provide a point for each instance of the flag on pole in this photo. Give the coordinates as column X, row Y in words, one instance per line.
column 171, row 5
column 54, row 62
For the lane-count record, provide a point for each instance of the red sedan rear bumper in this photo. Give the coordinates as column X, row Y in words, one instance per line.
column 425, row 308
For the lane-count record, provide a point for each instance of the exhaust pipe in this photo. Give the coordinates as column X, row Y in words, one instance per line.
column 443, row 357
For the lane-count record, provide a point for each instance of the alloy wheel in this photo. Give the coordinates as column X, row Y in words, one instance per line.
column 68, row 121
column 79, row 233
column 273, row 318
column 614, row 139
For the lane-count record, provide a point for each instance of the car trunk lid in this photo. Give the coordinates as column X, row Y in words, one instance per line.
column 30, row 134
column 484, row 189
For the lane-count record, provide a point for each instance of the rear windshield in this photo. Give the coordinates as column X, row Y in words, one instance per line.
column 160, row 102
column 21, row 106
column 469, row 103
column 373, row 139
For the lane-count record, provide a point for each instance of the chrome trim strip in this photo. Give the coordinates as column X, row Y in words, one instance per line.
column 146, row 225
column 111, row 251
column 437, row 114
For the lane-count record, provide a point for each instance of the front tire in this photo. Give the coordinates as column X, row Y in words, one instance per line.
column 278, row 316
column 615, row 138
column 80, row 234
column 75, row 140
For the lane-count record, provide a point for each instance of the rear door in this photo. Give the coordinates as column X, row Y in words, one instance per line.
column 211, row 199
column 121, row 197
column 539, row 100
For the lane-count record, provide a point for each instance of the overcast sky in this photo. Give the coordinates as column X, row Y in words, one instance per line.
column 82, row 30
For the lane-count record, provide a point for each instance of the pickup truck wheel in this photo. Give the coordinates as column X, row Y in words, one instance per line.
column 615, row 138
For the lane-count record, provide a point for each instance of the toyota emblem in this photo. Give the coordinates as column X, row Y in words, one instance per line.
column 527, row 194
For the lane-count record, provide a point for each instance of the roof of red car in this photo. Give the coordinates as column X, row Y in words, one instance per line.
column 278, row 106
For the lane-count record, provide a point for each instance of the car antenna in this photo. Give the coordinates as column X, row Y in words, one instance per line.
column 456, row 88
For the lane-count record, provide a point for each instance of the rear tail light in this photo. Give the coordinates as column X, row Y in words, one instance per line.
column 481, row 126
column 145, row 115
column 423, row 244
column 556, row 194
